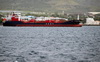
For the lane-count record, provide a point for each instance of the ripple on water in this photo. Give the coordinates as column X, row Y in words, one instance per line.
column 50, row 44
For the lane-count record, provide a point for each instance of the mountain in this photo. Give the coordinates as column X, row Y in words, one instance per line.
column 51, row 5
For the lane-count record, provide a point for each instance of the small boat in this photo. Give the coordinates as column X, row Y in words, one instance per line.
column 51, row 22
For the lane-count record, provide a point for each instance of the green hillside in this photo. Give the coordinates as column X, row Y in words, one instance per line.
column 51, row 5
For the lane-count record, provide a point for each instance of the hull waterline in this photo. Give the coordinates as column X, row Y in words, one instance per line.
column 60, row 25
column 18, row 23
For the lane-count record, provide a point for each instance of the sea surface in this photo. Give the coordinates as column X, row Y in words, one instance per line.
column 50, row 44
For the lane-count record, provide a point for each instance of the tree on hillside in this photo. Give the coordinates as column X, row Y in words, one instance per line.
column 1, row 18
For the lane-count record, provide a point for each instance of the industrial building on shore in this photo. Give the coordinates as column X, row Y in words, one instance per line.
column 91, row 21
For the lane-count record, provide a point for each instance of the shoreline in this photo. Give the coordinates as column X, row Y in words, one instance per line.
column 90, row 25
column 82, row 25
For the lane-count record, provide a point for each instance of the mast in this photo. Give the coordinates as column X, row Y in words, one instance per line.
column 78, row 17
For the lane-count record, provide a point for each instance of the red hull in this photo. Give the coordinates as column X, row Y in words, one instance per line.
column 60, row 25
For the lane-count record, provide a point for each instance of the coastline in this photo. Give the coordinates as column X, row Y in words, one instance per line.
column 1, row 24
column 91, row 25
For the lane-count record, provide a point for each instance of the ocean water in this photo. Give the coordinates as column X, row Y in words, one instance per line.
column 50, row 44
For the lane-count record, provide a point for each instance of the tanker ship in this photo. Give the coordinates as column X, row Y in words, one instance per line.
column 16, row 20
